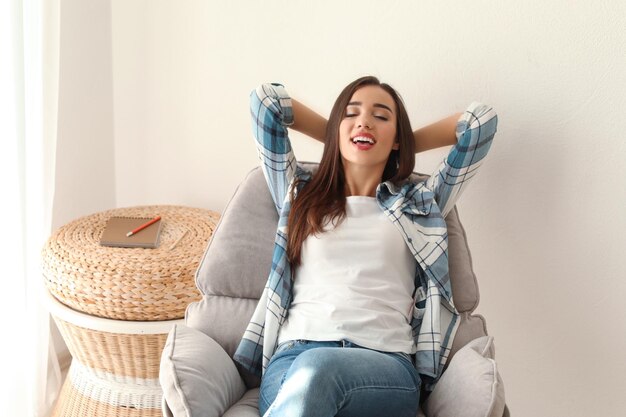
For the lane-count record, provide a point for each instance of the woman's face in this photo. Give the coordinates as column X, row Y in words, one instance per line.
column 367, row 132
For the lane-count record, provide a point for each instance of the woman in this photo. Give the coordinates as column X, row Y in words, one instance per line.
column 357, row 313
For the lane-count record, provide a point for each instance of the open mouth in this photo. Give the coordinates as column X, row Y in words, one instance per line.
column 363, row 142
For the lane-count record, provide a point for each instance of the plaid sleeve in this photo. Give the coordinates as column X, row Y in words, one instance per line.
column 474, row 132
column 271, row 111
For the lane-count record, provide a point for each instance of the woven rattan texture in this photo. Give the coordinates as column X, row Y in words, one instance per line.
column 72, row 403
column 126, row 356
column 129, row 283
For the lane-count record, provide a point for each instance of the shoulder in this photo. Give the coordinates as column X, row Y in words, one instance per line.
column 410, row 195
column 305, row 170
column 417, row 178
column 415, row 181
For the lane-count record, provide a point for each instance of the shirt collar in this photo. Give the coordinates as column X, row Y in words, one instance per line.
column 410, row 198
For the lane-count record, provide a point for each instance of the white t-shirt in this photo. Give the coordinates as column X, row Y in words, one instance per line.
column 355, row 283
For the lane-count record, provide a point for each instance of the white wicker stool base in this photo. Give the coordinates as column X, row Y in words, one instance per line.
column 115, row 364
column 87, row 393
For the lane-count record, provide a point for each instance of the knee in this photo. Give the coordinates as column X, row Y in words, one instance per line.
column 318, row 367
column 312, row 383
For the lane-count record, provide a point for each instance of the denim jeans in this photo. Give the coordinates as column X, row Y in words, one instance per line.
column 326, row 379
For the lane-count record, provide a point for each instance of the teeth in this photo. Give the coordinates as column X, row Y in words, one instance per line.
column 363, row 139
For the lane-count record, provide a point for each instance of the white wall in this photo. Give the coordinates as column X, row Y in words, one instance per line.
column 545, row 218
column 85, row 181
column 85, row 164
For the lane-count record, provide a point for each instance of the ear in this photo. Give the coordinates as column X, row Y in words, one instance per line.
column 396, row 146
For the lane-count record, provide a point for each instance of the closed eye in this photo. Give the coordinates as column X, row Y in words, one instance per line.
column 378, row 117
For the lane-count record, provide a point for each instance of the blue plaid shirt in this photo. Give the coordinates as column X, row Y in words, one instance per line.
column 417, row 207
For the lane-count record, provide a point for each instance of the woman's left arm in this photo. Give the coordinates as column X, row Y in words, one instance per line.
column 474, row 134
column 436, row 135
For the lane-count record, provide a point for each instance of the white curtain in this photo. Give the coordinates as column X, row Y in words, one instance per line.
column 29, row 54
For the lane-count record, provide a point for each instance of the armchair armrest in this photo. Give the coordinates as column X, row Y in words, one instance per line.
column 197, row 375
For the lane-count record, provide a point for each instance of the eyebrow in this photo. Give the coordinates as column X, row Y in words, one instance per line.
column 358, row 103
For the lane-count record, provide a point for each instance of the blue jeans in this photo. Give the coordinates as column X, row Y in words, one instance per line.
column 327, row 379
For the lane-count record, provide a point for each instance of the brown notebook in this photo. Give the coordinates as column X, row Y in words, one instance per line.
column 114, row 233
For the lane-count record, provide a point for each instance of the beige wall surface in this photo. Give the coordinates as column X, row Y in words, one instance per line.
column 160, row 92
column 85, row 165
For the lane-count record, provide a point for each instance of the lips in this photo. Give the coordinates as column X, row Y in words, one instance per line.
column 363, row 146
column 363, row 137
column 363, row 141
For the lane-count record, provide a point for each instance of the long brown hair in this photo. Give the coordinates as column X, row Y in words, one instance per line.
column 324, row 196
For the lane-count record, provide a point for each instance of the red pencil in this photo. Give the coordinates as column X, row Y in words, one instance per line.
column 143, row 226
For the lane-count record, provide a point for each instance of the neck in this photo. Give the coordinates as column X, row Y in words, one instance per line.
column 362, row 180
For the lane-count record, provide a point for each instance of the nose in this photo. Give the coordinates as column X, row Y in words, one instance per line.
column 364, row 121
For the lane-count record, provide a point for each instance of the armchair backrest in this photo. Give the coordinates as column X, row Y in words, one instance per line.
column 237, row 262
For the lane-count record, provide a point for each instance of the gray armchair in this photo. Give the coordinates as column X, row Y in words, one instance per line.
column 200, row 379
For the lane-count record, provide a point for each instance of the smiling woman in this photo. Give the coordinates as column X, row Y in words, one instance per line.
column 339, row 315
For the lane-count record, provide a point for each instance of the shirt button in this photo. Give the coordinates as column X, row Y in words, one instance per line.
column 410, row 240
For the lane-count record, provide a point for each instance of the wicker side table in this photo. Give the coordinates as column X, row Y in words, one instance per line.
column 115, row 306
column 129, row 283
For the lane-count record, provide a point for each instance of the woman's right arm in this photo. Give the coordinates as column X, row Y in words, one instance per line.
column 271, row 110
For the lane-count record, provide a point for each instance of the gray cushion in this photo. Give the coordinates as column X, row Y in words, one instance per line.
column 471, row 386
column 472, row 326
column 464, row 283
column 248, row 406
column 197, row 376
column 235, row 266
column 237, row 261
